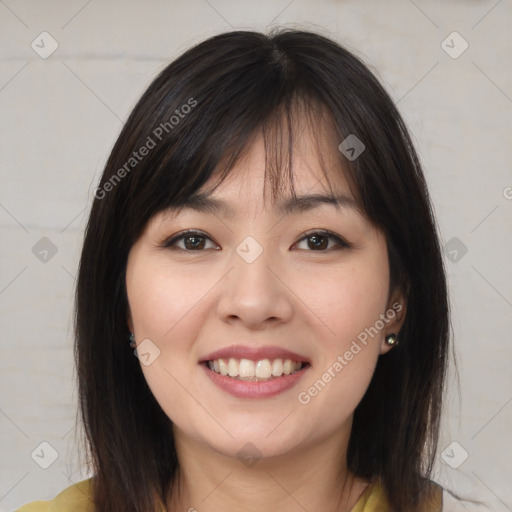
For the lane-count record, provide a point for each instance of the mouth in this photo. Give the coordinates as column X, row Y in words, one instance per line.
column 248, row 372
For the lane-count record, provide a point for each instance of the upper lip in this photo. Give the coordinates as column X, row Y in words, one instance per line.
column 254, row 353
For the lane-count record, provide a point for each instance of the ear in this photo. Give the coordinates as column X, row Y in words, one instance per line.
column 395, row 313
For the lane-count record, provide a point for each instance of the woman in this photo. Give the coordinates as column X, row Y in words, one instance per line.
column 290, row 347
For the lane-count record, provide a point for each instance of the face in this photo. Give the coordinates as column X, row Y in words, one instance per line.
column 263, row 325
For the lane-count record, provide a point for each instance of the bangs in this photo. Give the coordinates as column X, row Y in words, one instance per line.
column 281, row 133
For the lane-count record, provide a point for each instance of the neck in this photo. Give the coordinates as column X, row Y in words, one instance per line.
column 312, row 478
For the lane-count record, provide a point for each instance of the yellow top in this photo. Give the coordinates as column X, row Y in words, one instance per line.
column 77, row 498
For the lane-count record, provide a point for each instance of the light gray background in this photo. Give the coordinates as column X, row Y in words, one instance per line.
column 61, row 115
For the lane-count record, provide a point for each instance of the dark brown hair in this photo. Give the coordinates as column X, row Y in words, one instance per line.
column 200, row 112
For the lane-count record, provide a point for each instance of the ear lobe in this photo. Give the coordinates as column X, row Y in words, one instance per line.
column 385, row 347
column 396, row 313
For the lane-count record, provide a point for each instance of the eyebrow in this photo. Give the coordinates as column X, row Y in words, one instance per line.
column 203, row 203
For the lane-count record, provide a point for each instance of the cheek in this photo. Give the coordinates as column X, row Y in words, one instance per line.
column 360, row 302
column 347, row 300
column 165, row 308
column 159, row 299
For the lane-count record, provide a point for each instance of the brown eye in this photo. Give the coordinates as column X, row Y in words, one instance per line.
column 194, row 242
column 190, row 241
column 320, row 241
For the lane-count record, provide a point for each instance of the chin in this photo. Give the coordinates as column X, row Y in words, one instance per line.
column 267, row 438
column 250, row 449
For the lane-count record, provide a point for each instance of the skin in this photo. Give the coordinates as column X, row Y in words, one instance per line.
column 310, row 301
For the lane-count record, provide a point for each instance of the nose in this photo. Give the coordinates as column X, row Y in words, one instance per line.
column 255, row 294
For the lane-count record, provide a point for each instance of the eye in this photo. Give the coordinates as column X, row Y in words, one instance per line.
column 192, row 241
column 320, row 241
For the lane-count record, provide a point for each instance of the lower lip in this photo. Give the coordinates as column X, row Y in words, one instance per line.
column 253, row 389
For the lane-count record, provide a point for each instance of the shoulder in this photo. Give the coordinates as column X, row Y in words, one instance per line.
column 75, row 498
column 375, row 499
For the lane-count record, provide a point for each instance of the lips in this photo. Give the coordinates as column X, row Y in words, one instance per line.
column 254, row 372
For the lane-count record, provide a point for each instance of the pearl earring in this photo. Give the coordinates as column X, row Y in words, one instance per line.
column 391, row 340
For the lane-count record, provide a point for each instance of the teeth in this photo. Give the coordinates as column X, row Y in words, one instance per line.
column 277, row 368
column 233, row 368
column 263, row 369
column 245, row 369
column 223, row 367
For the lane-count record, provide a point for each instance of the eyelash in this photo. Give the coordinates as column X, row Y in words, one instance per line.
column 322, row 232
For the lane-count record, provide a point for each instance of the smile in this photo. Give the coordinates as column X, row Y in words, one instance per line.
column 255, row 371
